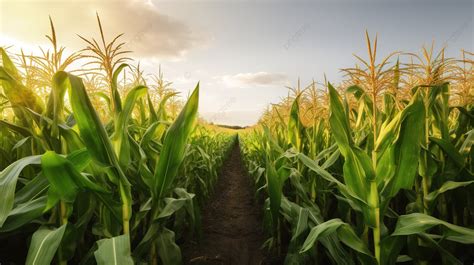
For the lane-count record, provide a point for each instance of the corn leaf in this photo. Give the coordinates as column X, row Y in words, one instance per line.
column 172, row 153
column 120, row 138
column 274, row 187
column 345, row 234
column 358, row 170
column 404, row 152
column 8, row 180
column 58, row 172
column 447, row 186
column 294, row 125
column 24, row 213
column 417, row 223
column 44, row 245
column 117, row 107
column 91, row 129
column 168, row 251
column 114, row 251
column 450, row 150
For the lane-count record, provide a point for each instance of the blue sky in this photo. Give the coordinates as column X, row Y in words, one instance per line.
column 246, row 52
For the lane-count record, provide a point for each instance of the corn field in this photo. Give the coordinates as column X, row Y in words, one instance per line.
column 376, row 170
column 103, row 163
column 99, row 164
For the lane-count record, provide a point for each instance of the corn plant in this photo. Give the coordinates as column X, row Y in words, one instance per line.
column 382, row 173
column 109, row 189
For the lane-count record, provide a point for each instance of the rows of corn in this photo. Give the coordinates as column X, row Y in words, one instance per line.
column 99, row 164
column 377, row 170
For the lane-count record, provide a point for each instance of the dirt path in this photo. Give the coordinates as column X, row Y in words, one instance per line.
column 231, row 221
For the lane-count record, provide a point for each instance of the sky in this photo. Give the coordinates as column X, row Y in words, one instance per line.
column 244, row 53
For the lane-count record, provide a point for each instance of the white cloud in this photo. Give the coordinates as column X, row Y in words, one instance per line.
column 148, row 32
column 240, row 118
column 255, row 79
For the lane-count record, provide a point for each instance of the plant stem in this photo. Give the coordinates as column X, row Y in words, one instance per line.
column 374, row 193
column 426, row 188
column 425, row 180
column 125, row 193
column 62, row 221
column 374, row 202
column 313, row 189
column 63, row 211
column 154, row 258
column 278, row 238
column 365, row 234
column 125, row 219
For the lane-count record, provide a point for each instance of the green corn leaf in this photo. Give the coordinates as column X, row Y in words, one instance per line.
column 365, row 102
column 8, row 65
column 20, row 143
column 57, row 166
column 311, row 164
column 389, row 132
column 331, row 242
column 390, row 248
column 33, row 189
column 106, row 98
column 16, row 92
column 151, row 110
column 120, row 138
column 171, row 206
column 146, row 241
column 301, row 223
column 94, row 135
column 191, row 208
column 468, row 142
column 294, row 125
column 447, row 186
column 79, row 158
column 168, row 251
column 117, row 107
column 55, row 107
column 452, row 260
column 114, row 251
column 58, row 170
column 274, row 192
column 345, row 234
column 338, row 120
column 71, row 137
column 274, row 146
column 91, row 129
column 44, row 245
column 417, row 223
column 358, row 169
column 8, row 180
column 408, row 145
column 161, row 113
column 450, row 150
column 24, row 213
column 64, row 178
column 403, row 150
column 18, row 129
column 172, row 153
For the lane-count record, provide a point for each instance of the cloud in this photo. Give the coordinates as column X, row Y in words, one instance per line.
column 232, row 117
column 255, row 79
column 148, row 32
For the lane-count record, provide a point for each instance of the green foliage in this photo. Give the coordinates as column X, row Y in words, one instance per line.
column 112, row 187
column 373, row 185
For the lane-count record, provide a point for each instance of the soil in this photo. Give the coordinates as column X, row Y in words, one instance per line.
column 231, row 222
